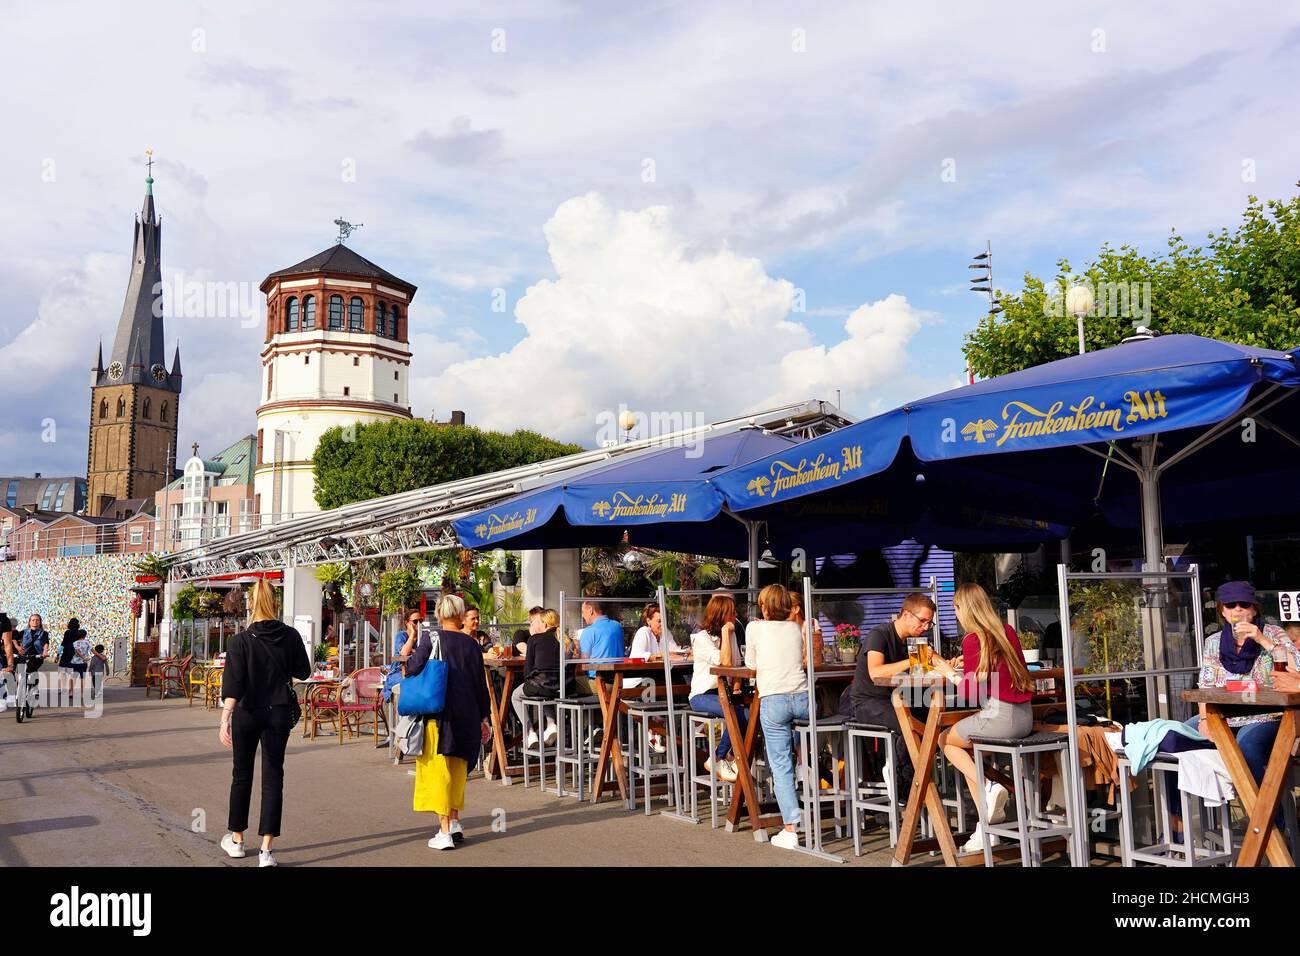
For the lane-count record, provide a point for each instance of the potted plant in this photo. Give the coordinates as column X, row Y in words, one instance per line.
column 1029, row 644
column 506, row 566
column 848, row 640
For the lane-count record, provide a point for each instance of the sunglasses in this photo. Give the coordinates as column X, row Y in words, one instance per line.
column 1239, row 605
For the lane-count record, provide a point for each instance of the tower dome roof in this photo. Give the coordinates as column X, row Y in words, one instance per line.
column 339, row 260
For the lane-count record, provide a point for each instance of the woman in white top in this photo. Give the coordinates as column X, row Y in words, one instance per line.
column 774, row 647
column 648, row 642
column 714, row 645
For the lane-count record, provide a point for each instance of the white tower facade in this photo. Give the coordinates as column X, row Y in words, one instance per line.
column 337, row 353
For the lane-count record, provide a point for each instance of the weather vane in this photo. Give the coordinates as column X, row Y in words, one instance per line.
column 149, row 162
column 346, row 228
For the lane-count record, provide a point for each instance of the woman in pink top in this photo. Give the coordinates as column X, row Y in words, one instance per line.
column 997, row 679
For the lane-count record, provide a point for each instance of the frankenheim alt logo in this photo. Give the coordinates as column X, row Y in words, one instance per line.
column 497, row 525
column 1022, row 420
column 783, row 476
column 624, row 505
column 76, row 909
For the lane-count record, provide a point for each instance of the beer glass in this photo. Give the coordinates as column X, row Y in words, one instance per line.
column 923, row 653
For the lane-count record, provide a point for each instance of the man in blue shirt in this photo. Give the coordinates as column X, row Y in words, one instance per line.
column 601, row 639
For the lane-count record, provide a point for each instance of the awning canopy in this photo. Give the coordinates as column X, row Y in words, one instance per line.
column 664, row 498
column 1064, row 442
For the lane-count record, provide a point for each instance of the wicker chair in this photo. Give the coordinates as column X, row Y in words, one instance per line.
column 360, row 695
column 175, row 674
column 153, row 675
column 197, row 683
column 322, row 706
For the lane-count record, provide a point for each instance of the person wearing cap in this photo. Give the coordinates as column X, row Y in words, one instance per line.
column 1244, row 650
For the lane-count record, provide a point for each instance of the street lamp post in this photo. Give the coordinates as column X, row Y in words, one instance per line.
column 1079, row 302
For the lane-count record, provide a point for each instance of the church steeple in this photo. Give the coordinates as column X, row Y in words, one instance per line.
column 138, row 356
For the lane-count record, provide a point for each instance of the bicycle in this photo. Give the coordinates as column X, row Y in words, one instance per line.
column 25, row 668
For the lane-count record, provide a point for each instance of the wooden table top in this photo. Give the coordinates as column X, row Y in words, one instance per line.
column 1264, row 697
column 748, row 673
column 933, row 678
column 505, row 663
column 625, row 666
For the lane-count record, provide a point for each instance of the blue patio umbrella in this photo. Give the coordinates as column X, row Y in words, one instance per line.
column 664, row 498
column 1106, row 431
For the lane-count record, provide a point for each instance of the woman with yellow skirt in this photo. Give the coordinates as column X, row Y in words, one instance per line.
column 453, row 738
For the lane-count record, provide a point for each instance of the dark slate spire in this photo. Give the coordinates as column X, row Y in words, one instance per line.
column 138, row 345
column 176, row 363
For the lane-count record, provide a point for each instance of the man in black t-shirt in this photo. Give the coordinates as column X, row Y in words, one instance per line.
column 883, row 655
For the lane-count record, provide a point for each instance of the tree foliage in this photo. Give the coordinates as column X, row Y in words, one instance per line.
column 386, row 458
column 1243, row 286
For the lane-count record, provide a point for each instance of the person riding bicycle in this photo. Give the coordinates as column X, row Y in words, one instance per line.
column 35, row 639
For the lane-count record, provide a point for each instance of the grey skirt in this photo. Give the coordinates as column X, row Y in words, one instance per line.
column 997, row 718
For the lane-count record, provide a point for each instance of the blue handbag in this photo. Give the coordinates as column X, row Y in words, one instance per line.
column 425, row 694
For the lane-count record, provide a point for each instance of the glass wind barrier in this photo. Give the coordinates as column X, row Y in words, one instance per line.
column 1131, row 644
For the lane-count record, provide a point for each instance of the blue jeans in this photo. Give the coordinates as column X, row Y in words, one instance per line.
column 777, row 716
column 708, row 703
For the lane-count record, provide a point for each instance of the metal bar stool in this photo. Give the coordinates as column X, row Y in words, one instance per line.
column 710, row 726
column 1212, row 847
column 540, row 750
column 1031, row 826
column 830, row 730
column 870, row 796
column 640, row 758
column 576, row 718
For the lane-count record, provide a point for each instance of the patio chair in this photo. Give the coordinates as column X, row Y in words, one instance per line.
column 197, row 683
column 322, row 706
column 360, row 695
column 175, row 674
column 153, row 675
column 212, row 689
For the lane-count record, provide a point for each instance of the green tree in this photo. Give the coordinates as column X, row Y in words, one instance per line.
column 1243, row 286
column 385, row 458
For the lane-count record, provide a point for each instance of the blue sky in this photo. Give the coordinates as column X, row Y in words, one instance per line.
column 650, row 187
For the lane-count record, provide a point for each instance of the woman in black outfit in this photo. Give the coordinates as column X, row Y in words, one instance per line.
column 68, row 653
column 258, row 710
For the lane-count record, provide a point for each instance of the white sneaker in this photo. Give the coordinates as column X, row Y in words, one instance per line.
column 4, row 704
column 266, row 858
column 976, row 842
column 657, row 744
column 531, row 740
column 443, row 841
column 786, row 840
column 996, row 802
column 548, row 738
column 457, row 832
column 232, row 847
column 727, row 772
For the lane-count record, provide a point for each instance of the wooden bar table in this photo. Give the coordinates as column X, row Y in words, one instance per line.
column 1260, row 801
column 744, row 797
column 511, row 668
column 609, row 690
column 928, row 690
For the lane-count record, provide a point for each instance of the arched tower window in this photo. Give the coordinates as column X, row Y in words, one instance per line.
column 162, row 412
column 356, row 315
column 392, row 322
column 121, row 407
column 103, row 408
column 381, row 318
column 309, row 312
column 291, row 315
column 336, row 312
column 145, row 407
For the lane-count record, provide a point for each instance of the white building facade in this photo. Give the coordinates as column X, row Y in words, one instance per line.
column 337, row 354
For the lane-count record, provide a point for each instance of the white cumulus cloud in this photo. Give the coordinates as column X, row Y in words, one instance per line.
column 638, row 315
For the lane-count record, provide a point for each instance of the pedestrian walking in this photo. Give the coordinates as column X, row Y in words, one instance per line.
column 454, row 736
column 259, row 710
